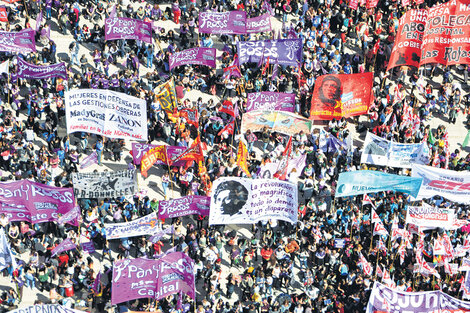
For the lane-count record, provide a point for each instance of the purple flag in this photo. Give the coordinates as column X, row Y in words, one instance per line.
column 34, row 202
column 96, row 283
column 18, row 42
column 282, row 52
column 46, row 32
column 155, row 238
column 88, row 247
column 184, row 206
column 31, row 71
column 277, row 101
column 72, row 217
column 128, row 28
column 267, row 6
column 198, row 56
column 144, row 278
column 38, row 20
column 65, row 245
column 259, row 24
column 275, row 72
column 232, row 22
column 112, row 14
column 139, row 150
column 89, row 160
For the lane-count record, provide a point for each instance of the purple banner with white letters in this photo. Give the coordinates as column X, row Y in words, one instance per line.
column 34, row 202
column 281, row 51
column 385, row 299
column 139, row 150
column 65, row 245
column 127, row 28
column 184, row 206
column 18, row 42
column 277, row 101
column 88, row 247
column 233, row 22
column 156, row 279
column 259, row 24
column 31, row 71
column 197, row 56
column 72, row 217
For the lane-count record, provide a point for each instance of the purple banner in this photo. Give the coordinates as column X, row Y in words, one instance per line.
column 34, row 202
column 156, row 279
column 72, row 217
column 139, row 150
column 281, row 51
column 271, row 101
column 31, row 71
column 259, row 24
column 184, row 206
column 18, row 42
column 233, row 22
column 65, row 245
column 88, row 247
column 197, row 56
column 96, row 283
column 89, row 160
column 385, row 299
column 155, row 238
column 127, row 28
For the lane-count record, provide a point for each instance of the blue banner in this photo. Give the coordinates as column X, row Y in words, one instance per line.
column 361, row 182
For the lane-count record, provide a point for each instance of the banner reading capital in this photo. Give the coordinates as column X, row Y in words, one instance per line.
column 341, row 95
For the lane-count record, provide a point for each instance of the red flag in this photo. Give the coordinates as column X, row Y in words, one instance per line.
column 193, row 153
column 376, row 47
column 379, row 229
column 227, row 107
column 3, row 14
column 366, row 267
column 281, row 171
column 191, row 116
column 228, row 128
column 266, row 66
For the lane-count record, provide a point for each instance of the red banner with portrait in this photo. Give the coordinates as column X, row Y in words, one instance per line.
column 407, row 47
column 341, row 95
column 446, row 38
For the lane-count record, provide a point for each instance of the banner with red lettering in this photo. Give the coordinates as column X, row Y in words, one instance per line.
column 428, row 216
column 446, row 38
column 353, row 4
column 407, row 47
column 340, row 95
column 371, row 3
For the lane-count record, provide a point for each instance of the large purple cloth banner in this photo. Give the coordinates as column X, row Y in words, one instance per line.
column 18, row 42
column 139, row 150
column 233, row 22
column 127, row 28
column 385, row 299
column 282, row 51
column 72, row 217
column 259, row 24
column 184, row 206
column 156, row 279
column 34, row 202
column 277, row 101
column 193, row 56
column 65, row 245
column 31, row 71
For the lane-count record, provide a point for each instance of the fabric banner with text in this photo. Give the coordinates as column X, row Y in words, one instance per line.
column 147, row 225
column 277, row 121
column 184, row 206
column 428, row 216
column 18, row 42
column 232, row 22
column 193, row 56
column 280, row 51
column 259, row 24
column 31, row 71
column 127, row 28
column 140, row 149
column 105, row 184
column 270, row 101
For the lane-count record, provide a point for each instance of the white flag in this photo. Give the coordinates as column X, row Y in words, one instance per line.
column 5, row 67
column 6, row 256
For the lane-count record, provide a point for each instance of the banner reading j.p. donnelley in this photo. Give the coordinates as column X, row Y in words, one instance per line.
column 193, row 56
column 407, row 47
column 107, row 113
column 270, row 101
column 233, row 22
column 105, row 184
column 341, row 95
column 446, row 38
column 127, row 28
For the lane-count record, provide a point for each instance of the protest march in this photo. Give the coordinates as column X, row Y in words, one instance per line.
column 268, row 156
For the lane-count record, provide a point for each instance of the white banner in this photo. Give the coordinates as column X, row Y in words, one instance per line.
column 105, row 184
column 107, row 113
column 428, row 216
column 46, row 308
column 247, row 201
column 380, row 151
column 452, row 185
column 147, row 225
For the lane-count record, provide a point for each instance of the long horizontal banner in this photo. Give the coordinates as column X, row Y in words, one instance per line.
column 105, row 184
column 31, row 71
column 385, row 299
column 259, row 24
column 106, row 113
column 247, row 201
column 18, row 42
column 34, row 202
column 184, row 206
column 277, row 121
column 380, row 151
column 233, row 22
column 362, row 182
column 146, row 225
column 46, row 308
column 127, row 28
column 139, row 150
column 339, row 95
column 155, row 279
column 428, row 216
column 193, row 56
column 281, row 51
column 270, row 101
column 452, row 185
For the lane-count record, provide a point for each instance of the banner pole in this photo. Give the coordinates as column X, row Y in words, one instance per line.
column 8, row 86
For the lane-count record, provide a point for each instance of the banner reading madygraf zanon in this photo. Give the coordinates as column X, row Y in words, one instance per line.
column 105, row 184
column 106, row 113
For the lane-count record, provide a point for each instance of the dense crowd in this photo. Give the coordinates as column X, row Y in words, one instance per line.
column 280, row 267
